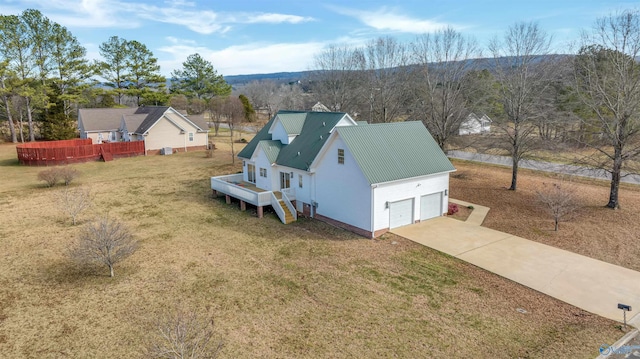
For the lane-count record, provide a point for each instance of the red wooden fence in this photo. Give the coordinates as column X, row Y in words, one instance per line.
column 74, row 151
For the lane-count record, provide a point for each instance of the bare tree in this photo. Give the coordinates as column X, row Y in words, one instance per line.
column 289, row 97
column 263, row 95
column 608, row 84
column 216, row 106
column 105, row 241
column 524, row 71
column 184, row 334
column 74, row 201
column 442, row 59
column 559, row 199
column 337, row 78
column 385, row 67
column 234, row 112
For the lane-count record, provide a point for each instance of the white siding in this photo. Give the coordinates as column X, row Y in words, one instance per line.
column 280, row 134
column 342, row 191
column 261, row 161
column 167, row 134
column 405, row 189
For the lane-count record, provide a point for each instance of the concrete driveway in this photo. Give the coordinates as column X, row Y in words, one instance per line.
column 586, row 283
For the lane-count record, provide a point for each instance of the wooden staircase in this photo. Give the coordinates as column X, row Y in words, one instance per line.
column 288, row 217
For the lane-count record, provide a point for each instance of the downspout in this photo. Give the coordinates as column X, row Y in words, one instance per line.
column 373, row 209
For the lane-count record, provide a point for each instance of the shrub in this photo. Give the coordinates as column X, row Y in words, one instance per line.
column 68, row 174
column 453, row 209
column 50, row 176
column 470, row 207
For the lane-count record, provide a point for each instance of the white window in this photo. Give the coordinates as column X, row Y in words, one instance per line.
column 340, row 156
column 300, row 181
column 263, row 172
column 190, row 136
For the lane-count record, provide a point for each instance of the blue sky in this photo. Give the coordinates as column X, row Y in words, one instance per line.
column 260, row 36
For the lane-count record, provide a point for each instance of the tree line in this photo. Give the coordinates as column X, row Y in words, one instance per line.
column 45, row 76
column 537, row 99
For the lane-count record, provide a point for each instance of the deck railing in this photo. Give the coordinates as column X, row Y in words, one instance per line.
column 232, row 185
column 275, row 203
column 285, row 198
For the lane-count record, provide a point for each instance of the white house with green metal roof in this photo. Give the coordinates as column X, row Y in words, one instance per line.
column 365, row 178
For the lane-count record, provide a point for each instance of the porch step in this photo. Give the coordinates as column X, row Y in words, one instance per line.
column 288, row 217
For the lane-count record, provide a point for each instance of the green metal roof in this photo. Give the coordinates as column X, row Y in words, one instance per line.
column 292, row 122
column 393, row 151
column 262, row 135
column 271, row 148
column 316, row 129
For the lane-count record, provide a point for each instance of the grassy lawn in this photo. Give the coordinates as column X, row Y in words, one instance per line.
column 300, row 290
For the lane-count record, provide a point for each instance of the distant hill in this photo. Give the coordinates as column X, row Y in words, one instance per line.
column 280, row 77
column 291, row 77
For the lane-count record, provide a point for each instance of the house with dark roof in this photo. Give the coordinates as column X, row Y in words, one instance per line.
column 160, row 127
column 367, row 178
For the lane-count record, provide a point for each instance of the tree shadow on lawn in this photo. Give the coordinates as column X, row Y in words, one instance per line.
column 10, row 162
column 65, row 271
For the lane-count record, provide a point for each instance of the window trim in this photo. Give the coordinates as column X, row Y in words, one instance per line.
column 340, row 156
column 191, row 136
column 251, row 173
column 263, row 172
column 299, row 180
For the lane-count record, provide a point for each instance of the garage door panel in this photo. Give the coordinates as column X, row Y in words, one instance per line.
column 401, row 213
column 430, row 206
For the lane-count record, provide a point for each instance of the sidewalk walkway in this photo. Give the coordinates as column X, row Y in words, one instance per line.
column 584, row 282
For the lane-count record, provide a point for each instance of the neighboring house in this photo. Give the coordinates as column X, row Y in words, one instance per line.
column 160, row 127
column 474, row 125
column 319, row 107
column 365, row 178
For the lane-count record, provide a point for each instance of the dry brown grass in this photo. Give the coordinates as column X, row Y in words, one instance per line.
column 300, row 290
column 596, row 231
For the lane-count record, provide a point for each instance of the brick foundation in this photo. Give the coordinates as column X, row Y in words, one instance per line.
column 350, row 228
column 177, row 150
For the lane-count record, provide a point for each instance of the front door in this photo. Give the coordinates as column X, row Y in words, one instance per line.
column 285, row 180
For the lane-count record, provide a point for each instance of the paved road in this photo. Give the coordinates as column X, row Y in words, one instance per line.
column 542, row 166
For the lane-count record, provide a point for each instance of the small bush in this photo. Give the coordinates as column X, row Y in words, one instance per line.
column 50, row 176
column 460, row 175
column 470, row 207
column 453, row 209
column 68, row 174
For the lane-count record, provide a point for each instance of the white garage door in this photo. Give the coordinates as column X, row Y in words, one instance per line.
column 401, row 213
column 431, row 206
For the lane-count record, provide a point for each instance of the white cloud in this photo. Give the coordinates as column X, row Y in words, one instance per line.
column 387, row 19
column 275, row 18
column 121, row 13
column 246, row 59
